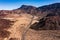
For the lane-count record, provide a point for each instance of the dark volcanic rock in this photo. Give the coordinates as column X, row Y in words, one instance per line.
column 50, row 21
column 47, row 23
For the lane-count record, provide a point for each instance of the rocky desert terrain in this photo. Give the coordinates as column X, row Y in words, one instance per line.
column 31, row 23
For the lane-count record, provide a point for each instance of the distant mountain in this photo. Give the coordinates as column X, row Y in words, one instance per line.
column 28, row 9
column 49, row 15
column 52, row 8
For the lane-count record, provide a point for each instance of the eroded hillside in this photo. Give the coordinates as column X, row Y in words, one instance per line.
column 45, row 24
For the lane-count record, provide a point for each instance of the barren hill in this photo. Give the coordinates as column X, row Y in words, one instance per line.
column 45, row 25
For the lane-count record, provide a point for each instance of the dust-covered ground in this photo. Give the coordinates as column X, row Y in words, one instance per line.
column 43, row 35
column 16, row 24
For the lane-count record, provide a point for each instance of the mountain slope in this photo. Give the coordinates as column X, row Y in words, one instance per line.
column 50, row 17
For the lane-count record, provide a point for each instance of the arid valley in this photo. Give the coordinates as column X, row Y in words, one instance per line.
column 31, row 23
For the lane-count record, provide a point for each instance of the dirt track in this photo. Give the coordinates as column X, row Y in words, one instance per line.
column 18, row 27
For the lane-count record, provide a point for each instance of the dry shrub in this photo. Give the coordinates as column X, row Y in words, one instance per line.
column 5, row 24
column 13, row 39
column 4, row 33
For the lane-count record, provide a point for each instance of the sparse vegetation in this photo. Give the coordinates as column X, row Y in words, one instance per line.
column 13, row 39
column 4, row 33
column 18, row 23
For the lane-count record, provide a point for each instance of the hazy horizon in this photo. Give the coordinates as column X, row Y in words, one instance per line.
column 14, row 4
